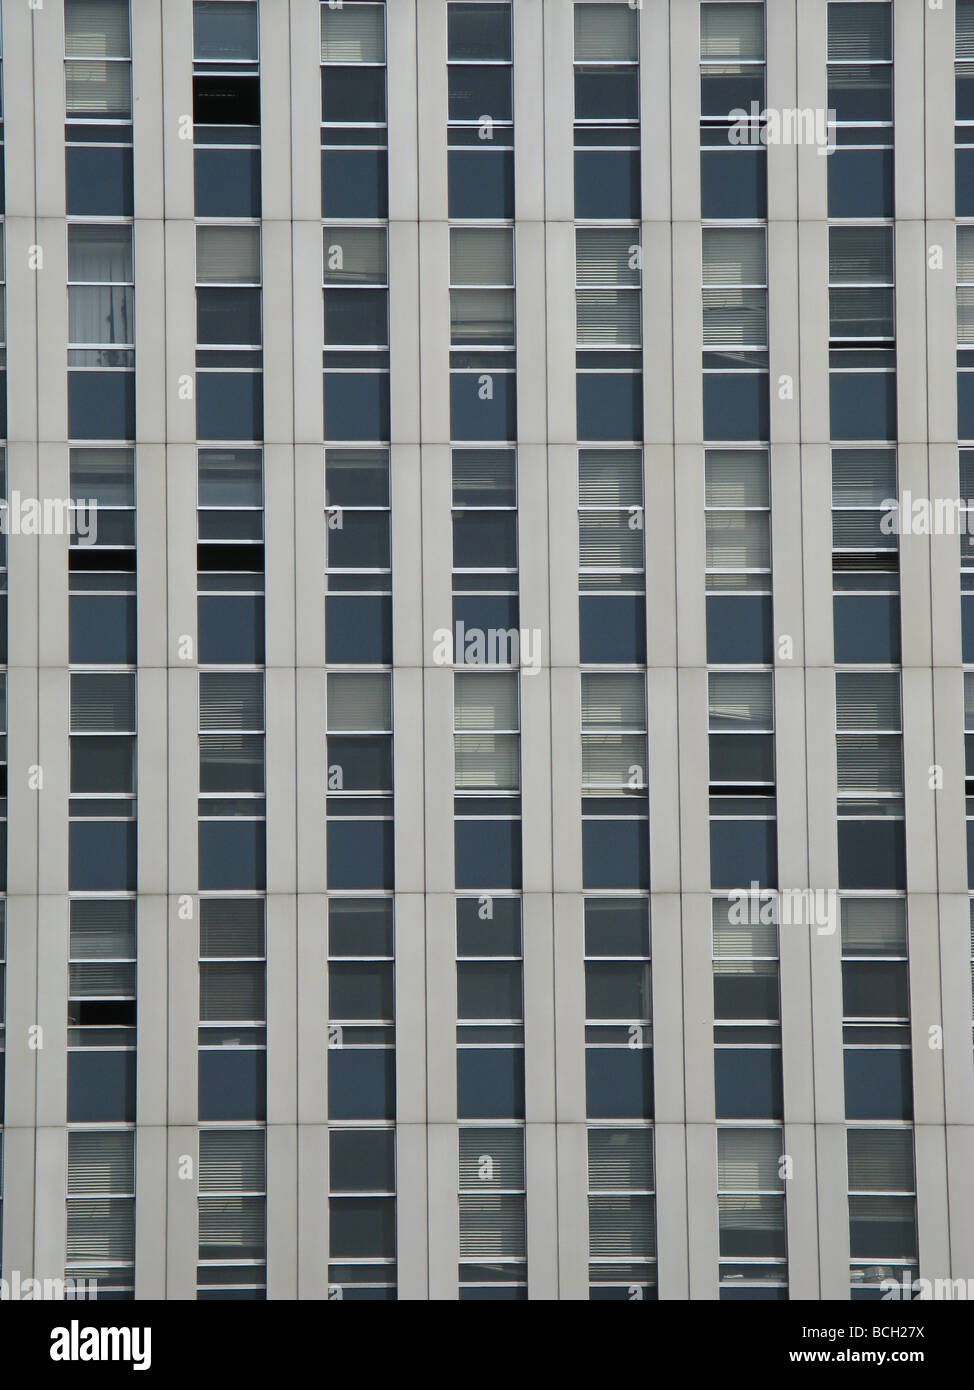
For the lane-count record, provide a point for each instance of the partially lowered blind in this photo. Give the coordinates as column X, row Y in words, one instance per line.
column 734, row 256
column 101, row 980
column 748, row 1159
column 613, row 760
column 353, row 33
column 491, row 1159
column 484, row 478
column 737, row 478
column 607, row 256
column 231, row 1227
column 231, row 992
column 965, row 29
column 98, row 89
column 620, row 1160
column 613, row 702
column 965, row 315
column 873, row 926
column 606, row 33
column 742, row 940
column 482, row 256
column 865, row 701
column 483, row 701
column 610, row 478
column 622, row 1227
column 487, row 762
column 732, row 32
column 741, row 701
column 965, row 255
column 861, row 255
column 96, row 29
column 231, row 702
column 232, row 1160
column 738, row 541
column 359, row 703
column 101, row 1164
column 863, row 477
column 101, row 1229
column 103, row 703
column 228, row 255
column 869, row 764
column 880, row 1160
column 735, row 318
column 103, row 929
column 492, row 1227
column 355, row 256
column 757, row 1214
column 607, row 318
column 606, row 540
column 860, row 32
column 482, row 317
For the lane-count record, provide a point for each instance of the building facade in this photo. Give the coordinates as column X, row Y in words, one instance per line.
column 489, row 655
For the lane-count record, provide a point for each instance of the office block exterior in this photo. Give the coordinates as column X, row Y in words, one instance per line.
column 491, row 413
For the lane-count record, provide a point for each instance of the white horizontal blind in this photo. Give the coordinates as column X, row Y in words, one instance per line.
column 353, row 34
column 102, row 930
column 965, row 251
column 101, row 980
column 231, row 927
column 231, row 992
column 231, row 702
column 101, row 1229
column 606, row 33
column 735, row 318
column 863, row 477
column 741, row 701
column 613, row 760
column 231, row 1224
column 492, row 1227
column 96, row 29
column 732, row 31
column 867, row 701
column 102, row 703
column 488, row 762
column 613, row 702
column 606, row 540
column 96, row 88
column 605, row 256
column 620, row 1160
column 491, row 1159
column 482, row 316
column 738, row 541
column 880, row 1160
column 965, row 31
column 232, row 1160
column 861, row 255
column 869, row 763
column 734, row 256
column 482, row 256
column 965, row 315
column 607, row 318
column 737, row 478
column 860, row 530
column 873, row 926
column 860, row 33
column 228, row 255
column 750, row 1213
column 487, row 477
column 969, row 705
column 610, row 478
column 355, row 256
column 359, row 702
column 862, row 312
column 747, row 1160
column 621, row 1227
column 485, row 702
column 101, row 1163
column 742, row 940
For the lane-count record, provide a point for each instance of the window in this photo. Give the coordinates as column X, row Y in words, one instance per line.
column 493, row 1231
column 101, row 1211
column 612, row 565
column 621, row 1214
column 747, row 1013
column 615, row 809
column 738, row 522
column 229, row 333
column 232, row 841
column 964, row 109
column 481, row 115
column 101, row 332
column 876, row 1009
column 230, row 557
column 226, row 109
column 608, row 313
column 490, row 1009
column 751, row 1208
column 862, row 354
column 102, row 1011
column 98, row 106
column 359, row 799
column 482, row 333
column 232, row 1215
column 102, row 557
column 607, row 178
column 362, row 1214
column 354, row 134
column 618, row 1010
column 358, row 581
column 735, row 333
column 865, row 556
column 361, row 1014
column 965, row 332
column 233, row 1010
column 487, row 780
column 733, row 156
column 102, row 806
column 882, row 1209
column 356, row 333
column 860, row 91
column 870, row 780
column 485, row 557
column 743, row 834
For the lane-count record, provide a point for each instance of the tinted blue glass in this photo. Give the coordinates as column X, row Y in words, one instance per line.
column 878, row 1084
column 354, row 183
column 875, row 989
column 490, row 1083
column 722, row 93
column 101, row 1086
column 619, row 1083
column 742, row 851
column 354, row 95
column 231, row 629
column 232, row 854
column 360, row 854
column 606, row 94
column 356, row 406
column 98, row 181
column 867, row 628
column 753, row 1295
column 356, row 317
column 481, row 183
column 861, row 93
column 964, row 94
column 735, row 405
column 967, row 626
column 3, row 407
column 489, row 1294
column 607, row 184
column 361, row 542
column 612, row 628
column 479, row 32
column 488, row 853
column 224, row 33
column 228, row 315
column 483, row 405
column 229, row 405
column 233, row 1084
column 358, row 629
column 970, row 853
column 615, row 854
column 101, row 405
column 734, row 183
column 736, row 759
column 102, row 629
column 478, row 91
column 609, row 405
column 965, row 405
column 747, row 1083
column 227, row 182
column 873, row 1234
column 860, row 183
column 103, row 856
column 484, row 613
column 362, row 1227
column 862, row 405
column 964, row 181
column 361, row 1083
column 739, row 628
column 872, row 854
column 484, row 540
column 365, row 763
